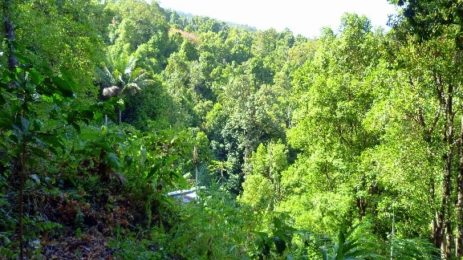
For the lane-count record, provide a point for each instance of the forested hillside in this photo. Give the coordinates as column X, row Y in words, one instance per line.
column 347, row 146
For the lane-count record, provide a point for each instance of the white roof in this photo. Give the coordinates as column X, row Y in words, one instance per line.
column 185, row 195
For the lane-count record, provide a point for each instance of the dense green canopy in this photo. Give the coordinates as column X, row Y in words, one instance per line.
column 348, row 146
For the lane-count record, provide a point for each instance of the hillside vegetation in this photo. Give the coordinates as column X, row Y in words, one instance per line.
column 347, row 146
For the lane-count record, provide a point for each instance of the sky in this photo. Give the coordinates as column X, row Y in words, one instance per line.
column 304, row 17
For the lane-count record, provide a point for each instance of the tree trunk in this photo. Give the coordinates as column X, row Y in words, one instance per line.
column 10, row 35
column 459, row 205
column 437, row 229
column 20, row 164
column 119, row 115
column 22, row 173
column 445, row 214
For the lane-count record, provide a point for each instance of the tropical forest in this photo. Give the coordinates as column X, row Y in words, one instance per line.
column 133, row 131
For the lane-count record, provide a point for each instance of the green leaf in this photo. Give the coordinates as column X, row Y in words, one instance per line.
column 65, row 87
column 24, row 124
column 113, row 160
column 36, row 77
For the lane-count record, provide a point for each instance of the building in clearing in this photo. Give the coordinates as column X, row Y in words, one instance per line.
column 185, row 196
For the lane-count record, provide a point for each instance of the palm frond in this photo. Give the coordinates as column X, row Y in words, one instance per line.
column 105, row 77
column 121, row 80
column 414, row 249
column 130, row 66
column 131, row 88
column 109, row 76
column 140, row 77
column 352, row 243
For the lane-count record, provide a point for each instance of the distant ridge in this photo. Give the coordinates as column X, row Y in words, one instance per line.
column 190, row 16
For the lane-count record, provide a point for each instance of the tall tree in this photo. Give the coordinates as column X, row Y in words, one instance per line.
column 439, row 24
column 122, row 78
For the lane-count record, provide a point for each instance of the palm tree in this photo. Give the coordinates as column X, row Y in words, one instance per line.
column 121, row 78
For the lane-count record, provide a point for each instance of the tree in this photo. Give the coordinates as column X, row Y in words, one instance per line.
column 135, row 23
column 267, row 163
column 61, row 36
column 333, row 96
column 437, row 27
column 122, row 78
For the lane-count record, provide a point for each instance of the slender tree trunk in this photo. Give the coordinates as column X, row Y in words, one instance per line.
column 119, row 115
column 437, row 230
column 360, row 201
column 10, row 35
column 392, row 233
column 22, row 174
column 459, row 205
column 20, row 164
column 428, row 130
column 445, row 214
column 195, row 160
